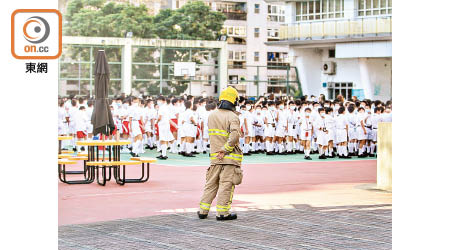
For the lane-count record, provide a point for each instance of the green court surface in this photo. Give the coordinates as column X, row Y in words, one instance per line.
column 203, row 159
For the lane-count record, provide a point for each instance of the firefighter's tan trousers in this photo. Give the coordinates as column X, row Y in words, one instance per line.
column 218, row 182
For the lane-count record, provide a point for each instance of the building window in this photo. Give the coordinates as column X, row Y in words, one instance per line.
column 234, row 31
column 256, row 8
column 276, row 84
column 233, row 79
column 331, row 53
column 256, row 59
column 256, row 32
column 340, row 88
column 374, row 7
column 236, row 55
column 275, row 13
column 273, row 34
column 277, row 60
column 319, row 9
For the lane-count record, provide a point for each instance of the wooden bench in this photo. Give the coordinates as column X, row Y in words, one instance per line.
column 62, row 172
column 64, row 156
column 82, row 154
column 116, row 165
column 67, row 152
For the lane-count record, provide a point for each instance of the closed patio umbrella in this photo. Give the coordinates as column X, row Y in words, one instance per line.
column 102, row 119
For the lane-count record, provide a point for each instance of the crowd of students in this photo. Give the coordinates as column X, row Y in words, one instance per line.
column 271, row 125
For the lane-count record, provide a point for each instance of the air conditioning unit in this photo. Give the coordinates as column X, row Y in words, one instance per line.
column 329, row 68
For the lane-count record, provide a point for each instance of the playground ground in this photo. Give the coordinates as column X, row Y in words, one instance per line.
column 284, row 202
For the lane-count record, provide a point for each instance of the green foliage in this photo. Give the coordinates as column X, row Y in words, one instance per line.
column 96, row 18
column 99, row 18
column 193, row 21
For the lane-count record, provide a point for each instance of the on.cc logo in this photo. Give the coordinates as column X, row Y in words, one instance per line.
column 36, row 29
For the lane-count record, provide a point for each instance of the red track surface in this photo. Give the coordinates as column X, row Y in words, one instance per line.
column 181, row 187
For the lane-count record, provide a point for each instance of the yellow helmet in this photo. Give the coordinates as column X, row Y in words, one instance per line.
column 229, row 94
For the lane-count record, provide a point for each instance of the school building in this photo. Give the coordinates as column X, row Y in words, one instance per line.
column 340, row 46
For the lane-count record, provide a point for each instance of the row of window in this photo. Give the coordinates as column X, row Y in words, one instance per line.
column 240, row 31
column 275, row 57
column 328, row 9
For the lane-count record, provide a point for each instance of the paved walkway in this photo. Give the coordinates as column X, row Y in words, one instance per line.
column 282, row 204
column 298, row 227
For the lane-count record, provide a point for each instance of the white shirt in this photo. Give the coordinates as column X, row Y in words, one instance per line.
column 341, row 121
column 165, row 115
column 330, row 123
column 81, row 120
column 306, row 123
column 134, row 112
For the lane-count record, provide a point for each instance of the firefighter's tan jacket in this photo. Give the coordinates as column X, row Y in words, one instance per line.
column 224, row 132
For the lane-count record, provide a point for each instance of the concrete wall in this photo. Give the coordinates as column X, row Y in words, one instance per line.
column 371, row 74
column 384, row 156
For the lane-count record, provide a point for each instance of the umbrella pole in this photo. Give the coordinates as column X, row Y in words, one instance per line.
column 103, row 141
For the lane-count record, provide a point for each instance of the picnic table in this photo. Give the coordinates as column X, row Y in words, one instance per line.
column 95, row 162
column 62, row 138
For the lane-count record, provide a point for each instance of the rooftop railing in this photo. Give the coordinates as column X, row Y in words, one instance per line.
column 337, row 28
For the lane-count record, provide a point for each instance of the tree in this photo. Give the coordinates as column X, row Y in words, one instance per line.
column 96, row 18
column 193, row 21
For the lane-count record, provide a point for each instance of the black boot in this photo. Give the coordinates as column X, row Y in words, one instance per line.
column 231, row 216
column 201, row 216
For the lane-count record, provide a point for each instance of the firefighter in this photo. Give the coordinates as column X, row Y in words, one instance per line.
column 226, row 157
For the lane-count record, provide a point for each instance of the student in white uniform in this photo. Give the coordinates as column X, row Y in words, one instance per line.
column 306, row 131
column 330, row 126
column 150, row 115
column 376, row 118
column 204, row 125
column 89, row 110
column 269, row 129
column 247, row 127
column 189, row 126
column 63, row 119
column 281, row 128
column 341, row 133
column 321, row 131
column 80, row 124
column 352, row 137
column 361, row 131
column 292, row 115
column 259, row 128
column 134, row 115
column 163, row 121
column 73, row 109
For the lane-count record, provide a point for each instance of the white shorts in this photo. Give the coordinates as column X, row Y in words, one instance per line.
column 62, row 129
column 135, row 129
column 148, row 127
column 322, row 138
column 259, row 131
column 341, row 135
column 72, row 128
column 269, row 131
column 164, row 132
column 331, row 136
column 360, row 134
column 292, row 131
column 189, row 130
column 251, row 132
column 205, row 133
column 352, row 134
column 305, row 135
column 280, row 131
column 90, row 128
column 374, row 134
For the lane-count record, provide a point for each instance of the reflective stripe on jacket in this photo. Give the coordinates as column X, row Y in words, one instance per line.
column 224, row 133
